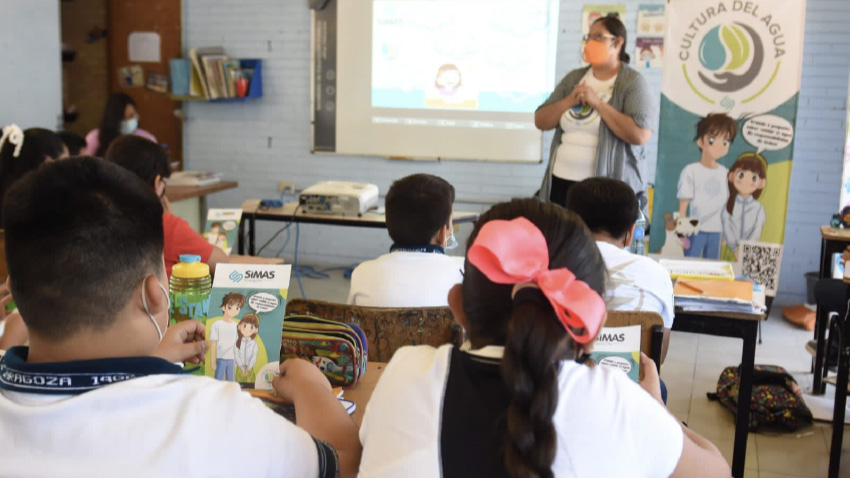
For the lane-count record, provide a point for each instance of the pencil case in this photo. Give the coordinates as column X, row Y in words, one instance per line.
column 338, row 349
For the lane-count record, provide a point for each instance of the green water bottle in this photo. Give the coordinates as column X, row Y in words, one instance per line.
column 191, row 286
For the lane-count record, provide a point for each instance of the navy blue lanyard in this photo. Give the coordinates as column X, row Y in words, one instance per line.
column 430, row 248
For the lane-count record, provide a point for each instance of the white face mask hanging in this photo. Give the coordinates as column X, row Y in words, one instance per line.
column 168, row 314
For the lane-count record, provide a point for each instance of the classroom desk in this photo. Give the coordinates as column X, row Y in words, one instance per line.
column 239, row 259
column 189, row 202
column 832, row 241
column 251, row 213
column 362, row 391
column 742, row 326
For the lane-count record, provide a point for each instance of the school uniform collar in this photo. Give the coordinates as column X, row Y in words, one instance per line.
column 744, row 200
column 427, row 248
column 73, row 378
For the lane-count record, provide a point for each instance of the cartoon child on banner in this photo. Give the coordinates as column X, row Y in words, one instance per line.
column 223, row 337
column 703, row 189
column 212, row 236
column 448, row 79
column 744, row 217
column 246, row 348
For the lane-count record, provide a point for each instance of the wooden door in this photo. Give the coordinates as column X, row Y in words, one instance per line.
column 156, row 110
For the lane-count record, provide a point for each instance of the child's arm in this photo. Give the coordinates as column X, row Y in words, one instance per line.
column 685, row 191
column 683, row 207
column 252, row 355
column 728, row 234
column 319, row 412
column 217, row 256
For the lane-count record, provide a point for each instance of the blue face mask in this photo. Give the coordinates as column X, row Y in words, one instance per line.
column 130, row 125
column 452, row 242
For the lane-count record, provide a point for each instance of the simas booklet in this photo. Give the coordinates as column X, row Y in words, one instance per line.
column 244, row 323
column 222, row 228
column 618, row 347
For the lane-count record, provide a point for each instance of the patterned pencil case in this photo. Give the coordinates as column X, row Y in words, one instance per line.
column 338, row 349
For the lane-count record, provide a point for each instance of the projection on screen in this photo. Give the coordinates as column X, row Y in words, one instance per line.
column 433, row 79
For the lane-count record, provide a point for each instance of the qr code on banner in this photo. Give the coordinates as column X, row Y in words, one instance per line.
column 760, row 262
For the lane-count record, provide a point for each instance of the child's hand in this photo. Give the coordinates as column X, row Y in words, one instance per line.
column 5, row 298
column 298, row 377
column 650, row 381
column 183, row 342
column 845, row 256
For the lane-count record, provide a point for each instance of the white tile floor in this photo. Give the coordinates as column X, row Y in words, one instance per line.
column 694, row 363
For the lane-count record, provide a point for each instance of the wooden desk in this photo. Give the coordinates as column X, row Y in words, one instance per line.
column 742, row 326
column 833, row 241
column 238, row 259
column 291, row 212
column 189, row 202
column 362, row 392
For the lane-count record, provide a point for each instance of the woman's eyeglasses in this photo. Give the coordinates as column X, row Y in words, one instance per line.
column 598, row 37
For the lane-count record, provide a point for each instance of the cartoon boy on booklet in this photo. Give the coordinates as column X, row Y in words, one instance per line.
column 223, row 337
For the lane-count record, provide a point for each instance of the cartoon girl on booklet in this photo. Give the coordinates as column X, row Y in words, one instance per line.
column 246, row 348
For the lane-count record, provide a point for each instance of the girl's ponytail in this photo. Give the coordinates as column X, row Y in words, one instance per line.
column 530, row 371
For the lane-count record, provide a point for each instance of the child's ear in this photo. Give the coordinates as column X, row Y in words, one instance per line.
column 456, row 305
column 762, row 184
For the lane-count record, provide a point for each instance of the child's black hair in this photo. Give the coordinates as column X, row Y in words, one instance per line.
column 143, row 157
column 534, row 339
column 75, row 143
column 110, row 124
column 39, row 145
column 417, row 207
column 606, row 205
column 81, row 235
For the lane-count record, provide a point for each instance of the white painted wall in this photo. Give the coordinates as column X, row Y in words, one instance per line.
column 30, row 63
column 262, row 142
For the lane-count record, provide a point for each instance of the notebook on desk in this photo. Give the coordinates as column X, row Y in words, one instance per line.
column 715, row 296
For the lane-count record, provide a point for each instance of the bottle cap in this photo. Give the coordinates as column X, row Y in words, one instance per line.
column 190, row 267
column 639, row 233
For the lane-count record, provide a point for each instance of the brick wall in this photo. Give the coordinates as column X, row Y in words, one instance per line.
column 262, row 142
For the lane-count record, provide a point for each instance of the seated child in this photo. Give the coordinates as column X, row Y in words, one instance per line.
column 75, row 143
column 609, row 208
column 97, row 392
column 416, row 272
column 518, row 403
column 148, row 161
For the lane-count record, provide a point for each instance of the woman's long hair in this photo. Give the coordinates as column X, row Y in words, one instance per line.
column 110, row 124
column 534, row 339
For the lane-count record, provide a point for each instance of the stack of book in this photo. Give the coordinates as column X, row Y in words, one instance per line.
column 215, row 76
column 734, row 296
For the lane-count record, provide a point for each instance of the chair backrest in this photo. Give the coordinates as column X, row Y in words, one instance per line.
column 651, row 329
column 387, row 329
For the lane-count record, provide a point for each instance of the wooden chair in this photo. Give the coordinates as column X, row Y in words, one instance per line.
column 387, row 329
column 651, row 330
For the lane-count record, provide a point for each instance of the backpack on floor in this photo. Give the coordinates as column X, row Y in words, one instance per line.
column 777, row 399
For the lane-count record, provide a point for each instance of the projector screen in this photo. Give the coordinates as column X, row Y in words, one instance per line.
column 432, row 79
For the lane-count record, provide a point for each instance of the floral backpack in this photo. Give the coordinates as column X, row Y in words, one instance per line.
column 777, row 399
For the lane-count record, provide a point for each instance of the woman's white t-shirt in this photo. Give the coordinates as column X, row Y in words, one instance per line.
column 606, row 424
column 575, row 158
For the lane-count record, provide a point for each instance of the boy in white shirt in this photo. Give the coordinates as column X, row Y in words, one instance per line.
column 610, row 209
column 703, row 185
column 417, row 272
column 97, row 392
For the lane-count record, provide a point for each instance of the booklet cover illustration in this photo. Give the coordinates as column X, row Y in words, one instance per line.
column 618, row 347
column 222, row 228
column 245, row 320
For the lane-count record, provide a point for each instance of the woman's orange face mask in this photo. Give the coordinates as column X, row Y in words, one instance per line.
column 596, row 52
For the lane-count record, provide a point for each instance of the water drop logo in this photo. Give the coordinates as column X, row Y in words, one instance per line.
column 580, row 112
column 732, row 57
column 235, row 276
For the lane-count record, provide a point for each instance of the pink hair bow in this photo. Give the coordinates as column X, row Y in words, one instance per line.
column 515, row 251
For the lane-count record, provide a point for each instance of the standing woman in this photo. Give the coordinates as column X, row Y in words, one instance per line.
column 119, row 117
column 601, row 114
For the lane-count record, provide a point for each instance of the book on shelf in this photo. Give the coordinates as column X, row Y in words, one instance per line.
column 197, row 82
column 193, row 178
column 698, row 269
column 618, row 348
column 222, row 228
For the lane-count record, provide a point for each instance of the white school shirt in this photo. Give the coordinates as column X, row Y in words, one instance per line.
column 575, row 158
column 707, row 189
column 637, row 283
column 405, row 279
column 607, row 426
column 225, row 335
column 159, row 425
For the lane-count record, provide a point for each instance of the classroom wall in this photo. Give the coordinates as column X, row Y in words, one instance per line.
column 262, row 142
column 30, row 68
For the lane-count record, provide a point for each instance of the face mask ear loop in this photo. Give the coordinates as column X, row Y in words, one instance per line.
column 147, row 310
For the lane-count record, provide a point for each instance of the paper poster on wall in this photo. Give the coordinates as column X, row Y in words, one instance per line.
column 728, row 110
column 591, row 13
column 649, row 42
column 143, row 47
column 131, row 76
